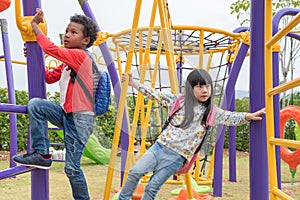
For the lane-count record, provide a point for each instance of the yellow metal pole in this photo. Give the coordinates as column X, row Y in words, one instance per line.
column 144, row 67
column 15, row 61
column 269, row 99
column 132, row 133
column 188, row 183
column 139, row 107
column 168, row 46
column 210, row 60
column 212, row 162
column 156, row 64
column 201, row 43
column 119, row 60
column 122, row 102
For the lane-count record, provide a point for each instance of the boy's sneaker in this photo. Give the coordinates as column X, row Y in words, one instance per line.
column 33, row 159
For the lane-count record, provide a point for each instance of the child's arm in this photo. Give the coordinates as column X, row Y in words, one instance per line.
column 256, row 115
column 131, row 82
column 52, row 76
column 72, row 57
column 166, row 100
column 230, row 118
column 38, row 18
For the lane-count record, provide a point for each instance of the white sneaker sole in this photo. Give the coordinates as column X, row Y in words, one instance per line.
column 32, row 165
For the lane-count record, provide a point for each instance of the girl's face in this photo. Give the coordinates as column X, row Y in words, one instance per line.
column 74, row 37
column 202, row 92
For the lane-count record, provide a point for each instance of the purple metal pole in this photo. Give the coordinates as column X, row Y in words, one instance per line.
column 232, row 129
column 14, row 171
column 276, row 107
column 36, row 88
column 226, row 103
column 276, row 99
column 179, row 75
column 179, row 63
column 232, row 140
column 12, row 108
column 11, row 92
column 294, row 35
column 116, row 86
column 258, row 148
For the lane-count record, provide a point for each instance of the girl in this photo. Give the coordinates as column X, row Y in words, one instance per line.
column 179, row 140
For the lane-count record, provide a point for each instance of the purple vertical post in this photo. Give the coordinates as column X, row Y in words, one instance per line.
column 276, row 99
column 258, row 148
column 276, row 107
column 232, row 140
column 11, row 92
column 232, row 129
column 116, row 87
column 36, row 88
column 179, row 63
column 179, row 75
column 226, row 103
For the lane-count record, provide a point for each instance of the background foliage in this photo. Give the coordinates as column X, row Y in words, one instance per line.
column 242, row 131
column 104, row 125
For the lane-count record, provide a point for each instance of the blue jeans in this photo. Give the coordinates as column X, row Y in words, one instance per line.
column 77, row 129
column 162, row 161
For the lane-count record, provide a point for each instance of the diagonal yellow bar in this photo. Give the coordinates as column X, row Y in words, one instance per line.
column 294, row 22
column 122, row 102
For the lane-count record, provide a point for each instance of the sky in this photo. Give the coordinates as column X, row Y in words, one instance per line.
column 114, row 16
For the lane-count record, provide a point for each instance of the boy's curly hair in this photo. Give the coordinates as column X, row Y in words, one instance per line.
column 90, row 28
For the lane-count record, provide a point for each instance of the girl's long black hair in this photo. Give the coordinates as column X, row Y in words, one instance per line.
column 196, row 77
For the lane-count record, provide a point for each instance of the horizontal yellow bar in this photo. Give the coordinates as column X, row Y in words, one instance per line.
column 174, row 182
column 15, row 61
column 179, row 27
column 284, row 87
column 204, row 182
column 285, row 142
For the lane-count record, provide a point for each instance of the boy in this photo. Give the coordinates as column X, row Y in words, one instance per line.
column 75, row 113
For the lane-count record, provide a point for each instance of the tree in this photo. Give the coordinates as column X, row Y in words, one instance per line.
column 241, row 8
column 103, row 129
column 289, row 47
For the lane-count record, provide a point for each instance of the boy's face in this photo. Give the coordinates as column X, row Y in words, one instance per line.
column 74, row 37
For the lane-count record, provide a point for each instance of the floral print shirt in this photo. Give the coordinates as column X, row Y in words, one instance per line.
column 185, row 141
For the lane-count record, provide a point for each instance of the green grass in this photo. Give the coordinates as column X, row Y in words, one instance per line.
column 19, row 188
